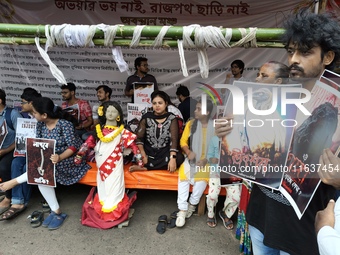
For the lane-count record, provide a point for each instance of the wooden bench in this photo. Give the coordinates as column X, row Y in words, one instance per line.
column 155, row 179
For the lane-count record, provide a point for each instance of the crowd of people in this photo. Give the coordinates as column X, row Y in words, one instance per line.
column 181, row 138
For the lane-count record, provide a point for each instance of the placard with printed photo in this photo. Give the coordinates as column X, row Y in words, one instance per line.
column 40, row 169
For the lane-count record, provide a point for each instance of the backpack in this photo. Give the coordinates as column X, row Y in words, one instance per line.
column 8, row 117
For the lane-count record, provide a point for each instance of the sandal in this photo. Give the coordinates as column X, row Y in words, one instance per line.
column 162, row 222
column 228, row 223
column 211, row 222
column 11, row 213
column 4, row 209
column 37, row 218
column 172, row 222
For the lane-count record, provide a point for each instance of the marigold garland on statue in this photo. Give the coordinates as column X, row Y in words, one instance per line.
column 108, row 139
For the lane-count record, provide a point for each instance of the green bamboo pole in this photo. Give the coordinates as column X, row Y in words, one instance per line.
column 120, row 42
column 175, row 32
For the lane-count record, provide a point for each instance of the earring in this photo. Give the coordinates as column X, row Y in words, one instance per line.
column 118, row 118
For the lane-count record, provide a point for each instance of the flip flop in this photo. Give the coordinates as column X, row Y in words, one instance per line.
column 162, row 222
column 172, row 222
column 229, row 224
column 212, row 222
column 11, row 213
column 37, row 217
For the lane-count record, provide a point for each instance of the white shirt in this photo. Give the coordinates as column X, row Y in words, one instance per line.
column 328, row 237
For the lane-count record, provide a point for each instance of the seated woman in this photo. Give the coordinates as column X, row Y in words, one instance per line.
column 52, row 124
column 194, row 143
column 158, row 137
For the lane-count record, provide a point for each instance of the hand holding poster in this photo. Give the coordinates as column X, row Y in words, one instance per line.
column 25, row 129
column 74, row 111
column 259, row 140
column 142, row 92
column 40, row 169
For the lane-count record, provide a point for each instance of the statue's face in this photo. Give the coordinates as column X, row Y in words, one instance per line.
column 111, row 113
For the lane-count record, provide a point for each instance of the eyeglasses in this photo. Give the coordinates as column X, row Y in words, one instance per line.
column 23, row 102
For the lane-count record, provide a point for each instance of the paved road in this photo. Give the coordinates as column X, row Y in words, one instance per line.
column 140, row 237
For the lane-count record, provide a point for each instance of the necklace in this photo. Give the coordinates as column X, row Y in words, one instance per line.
column 110, row 127
column 111, row 138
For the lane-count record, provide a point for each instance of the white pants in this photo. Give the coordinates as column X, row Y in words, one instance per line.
column 47, row 192
column 183, row 193
column 232, row 198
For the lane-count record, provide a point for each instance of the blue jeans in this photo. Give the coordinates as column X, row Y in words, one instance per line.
column 5, row 170
column 257, row 244
column 22, row 192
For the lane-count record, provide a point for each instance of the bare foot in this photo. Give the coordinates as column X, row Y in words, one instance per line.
column 211, row 222
column 18, row 206
column 8, row 185
column 5, row 203
column 135, row 168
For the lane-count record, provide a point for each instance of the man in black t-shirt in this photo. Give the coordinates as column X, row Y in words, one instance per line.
column 141, row 75
column 187, row 105
column 313, row 44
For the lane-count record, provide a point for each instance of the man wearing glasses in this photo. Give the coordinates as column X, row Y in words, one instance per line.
column 21, row 193
column 7, row 146
column 141, row 75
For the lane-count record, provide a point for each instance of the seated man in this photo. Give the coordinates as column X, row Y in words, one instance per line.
column 10, row 116
column 80, row 109
column 21, row 193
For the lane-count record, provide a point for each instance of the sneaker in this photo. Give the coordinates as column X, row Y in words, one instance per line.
column 191, row 210
column 180, row 221
column 48, row 220
column 57, row 221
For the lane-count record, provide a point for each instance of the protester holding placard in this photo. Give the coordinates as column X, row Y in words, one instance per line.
column 80, row 109
column 271, row 72
column 21, row 193
column 52, row 125
column 313, row 45
column 141, row 75
column 8, row 115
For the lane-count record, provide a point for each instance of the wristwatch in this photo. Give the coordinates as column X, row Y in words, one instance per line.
column 172, row 156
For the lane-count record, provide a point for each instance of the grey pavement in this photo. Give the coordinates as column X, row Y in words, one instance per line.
column 140, row 237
